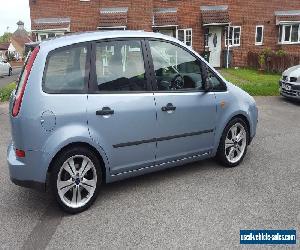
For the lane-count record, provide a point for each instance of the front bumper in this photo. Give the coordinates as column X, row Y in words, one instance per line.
column 26, row 172
column 289, row 95
column 293, row 92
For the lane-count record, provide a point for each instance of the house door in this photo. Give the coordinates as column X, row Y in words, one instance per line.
column 214, row 44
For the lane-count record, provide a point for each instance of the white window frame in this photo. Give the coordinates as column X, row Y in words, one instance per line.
column 283, row 27
column 232, row 38
column 185, row 35
column 262, row 34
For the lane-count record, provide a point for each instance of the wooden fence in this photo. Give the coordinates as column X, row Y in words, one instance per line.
column 273, row 63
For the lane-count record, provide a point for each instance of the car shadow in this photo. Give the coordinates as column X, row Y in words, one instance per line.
column 290, row 101
column 150, row 180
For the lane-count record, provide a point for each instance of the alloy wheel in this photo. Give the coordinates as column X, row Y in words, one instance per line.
column 235, row 143
column 77, row 181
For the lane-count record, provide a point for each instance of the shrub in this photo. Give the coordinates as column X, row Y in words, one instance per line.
column 6, row 91
column 280, row 53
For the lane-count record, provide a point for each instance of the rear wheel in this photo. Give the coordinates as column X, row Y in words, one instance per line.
column 10, row 71
column 76, row 179
column 234, row 141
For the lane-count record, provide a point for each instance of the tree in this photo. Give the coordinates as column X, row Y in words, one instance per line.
column 5, row 38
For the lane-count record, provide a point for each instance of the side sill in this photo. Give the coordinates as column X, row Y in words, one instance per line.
column 162, row 165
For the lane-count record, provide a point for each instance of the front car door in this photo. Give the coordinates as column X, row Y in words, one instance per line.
column 121, row 110
column 186, row 114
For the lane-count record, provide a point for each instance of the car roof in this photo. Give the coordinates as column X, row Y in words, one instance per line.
column 75, row 38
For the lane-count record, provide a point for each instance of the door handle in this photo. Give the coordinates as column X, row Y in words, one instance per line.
column 169, row 107
column 105, row 111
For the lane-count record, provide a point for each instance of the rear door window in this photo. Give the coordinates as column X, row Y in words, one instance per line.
column 120, row 66
column 66, row 70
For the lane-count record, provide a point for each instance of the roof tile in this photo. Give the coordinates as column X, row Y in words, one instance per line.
column 215, row 16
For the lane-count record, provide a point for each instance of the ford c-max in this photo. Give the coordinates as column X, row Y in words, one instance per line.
column 98, row 107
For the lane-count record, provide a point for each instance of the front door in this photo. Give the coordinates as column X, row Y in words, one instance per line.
column 121, row 110
column 186, row 115
column 215, row 46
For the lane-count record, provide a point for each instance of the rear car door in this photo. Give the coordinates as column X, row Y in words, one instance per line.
column 186, row 114
column 121, row 110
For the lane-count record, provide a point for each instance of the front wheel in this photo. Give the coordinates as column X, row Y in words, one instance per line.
column 76, row 179
column 10, row 71
column 233, row 145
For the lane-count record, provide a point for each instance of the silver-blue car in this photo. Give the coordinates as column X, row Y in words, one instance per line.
column 98, row 107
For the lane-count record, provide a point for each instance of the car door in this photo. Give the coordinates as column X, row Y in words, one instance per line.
column 186, row 114
column 6, row 68
column 121, row 110
column 2, row 67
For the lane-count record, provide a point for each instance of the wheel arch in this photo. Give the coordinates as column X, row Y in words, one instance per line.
column 219, row 133
column 79, row 144
column 246, row 120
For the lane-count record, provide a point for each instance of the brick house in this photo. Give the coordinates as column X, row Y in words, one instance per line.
column 16, row 46
column 202, row 24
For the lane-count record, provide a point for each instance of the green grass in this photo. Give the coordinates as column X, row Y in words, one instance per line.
column 252, row 81
column 6, row 91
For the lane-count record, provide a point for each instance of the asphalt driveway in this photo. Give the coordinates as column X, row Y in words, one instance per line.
column 200, row 205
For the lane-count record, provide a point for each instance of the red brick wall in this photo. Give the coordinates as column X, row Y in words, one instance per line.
column 246, row 13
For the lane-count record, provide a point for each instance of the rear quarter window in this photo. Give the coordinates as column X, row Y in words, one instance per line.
column 66, row 70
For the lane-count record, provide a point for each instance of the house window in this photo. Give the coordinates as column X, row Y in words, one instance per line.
column 289, row 34
column 44, row 35
column 111, row 28
column 166, row 31
column 259, row 35
column 185, row 36
column 234, row 37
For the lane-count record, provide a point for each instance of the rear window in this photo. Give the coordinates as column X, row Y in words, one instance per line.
column 22, row 75
column 66, row 70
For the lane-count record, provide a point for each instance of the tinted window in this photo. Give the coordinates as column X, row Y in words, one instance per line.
column 66, row 70
column 175, row 68
column 120, row 66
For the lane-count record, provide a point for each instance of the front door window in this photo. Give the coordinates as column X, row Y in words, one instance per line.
column 175, row 68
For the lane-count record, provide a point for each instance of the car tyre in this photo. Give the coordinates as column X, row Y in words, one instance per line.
column 10, row 71
column 233, row 144
column 76, row 178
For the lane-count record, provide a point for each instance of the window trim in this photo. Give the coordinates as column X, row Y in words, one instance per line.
column 232, row 38
column 185, row 35
column 87, row 70
column 93, row 87
column 281, row 39
column 262, row 34
column 153, row 78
